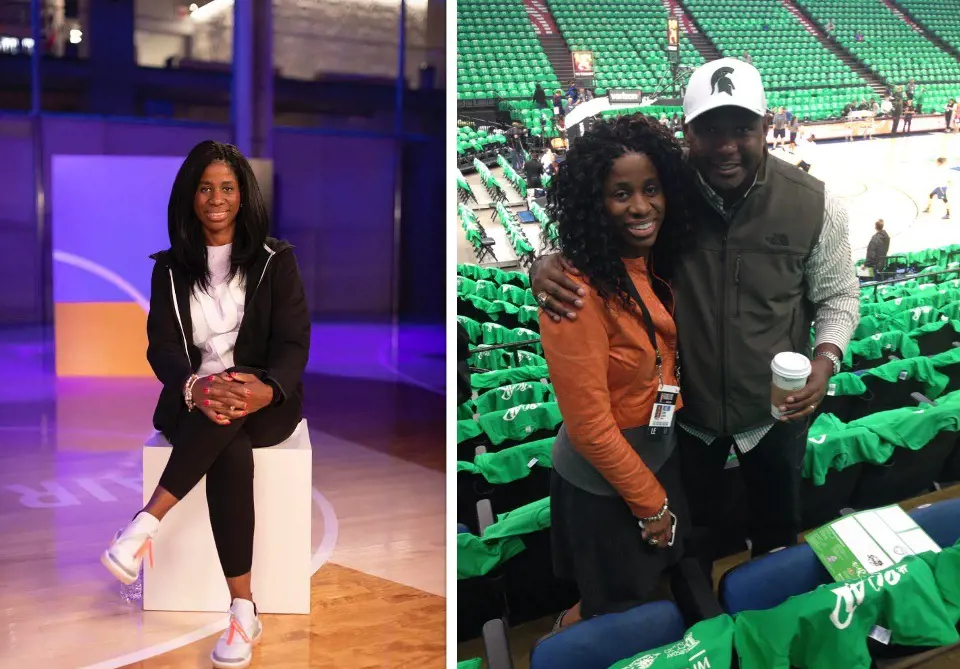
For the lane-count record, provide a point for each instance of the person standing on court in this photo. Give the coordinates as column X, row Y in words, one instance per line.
column 228, row 337
column 768, row 254
column 877, row 249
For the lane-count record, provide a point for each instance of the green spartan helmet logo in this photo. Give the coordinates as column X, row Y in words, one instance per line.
column 720, row 81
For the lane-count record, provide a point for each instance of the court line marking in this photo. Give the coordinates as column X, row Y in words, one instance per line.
column 331, row 530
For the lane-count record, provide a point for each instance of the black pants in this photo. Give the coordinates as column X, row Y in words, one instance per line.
column 907, row 122
column 771, row 474
column 225, row 454
column 896, row 124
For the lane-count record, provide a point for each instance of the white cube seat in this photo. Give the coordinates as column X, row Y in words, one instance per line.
column 187, row 576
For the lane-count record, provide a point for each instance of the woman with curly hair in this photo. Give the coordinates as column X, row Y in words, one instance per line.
column 617, row 507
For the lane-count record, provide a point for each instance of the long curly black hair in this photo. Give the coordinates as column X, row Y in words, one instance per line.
column 587, row 238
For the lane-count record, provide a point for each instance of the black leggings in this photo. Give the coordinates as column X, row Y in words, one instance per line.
column 225, row 454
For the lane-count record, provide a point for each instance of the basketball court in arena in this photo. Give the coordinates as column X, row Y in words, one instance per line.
column 70, row 476
column 888, row 178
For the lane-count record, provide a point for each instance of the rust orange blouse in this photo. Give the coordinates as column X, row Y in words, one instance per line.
column 603, row 369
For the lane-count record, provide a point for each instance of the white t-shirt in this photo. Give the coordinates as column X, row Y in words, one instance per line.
column 945, row 175
column 217, row 313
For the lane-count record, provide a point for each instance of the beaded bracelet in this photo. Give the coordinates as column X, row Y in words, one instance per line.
column 660, row 514
column 188, row 391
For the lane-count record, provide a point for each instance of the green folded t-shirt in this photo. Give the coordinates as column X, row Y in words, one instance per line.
column 919, row 369
column 510, row 464
column 828, row 627
column 471, row 327
column 845, row 384
column 504, row 397
column 466, row 411
column 709, row 643
column 502, row 540
column 882, row 344
column 468, row 429
column 519, row 422
column 945, row 566
column 474, row 272
column 505, row 377
column 488, row 290
column 911, row 427
column 833, row 445
column 466, row 286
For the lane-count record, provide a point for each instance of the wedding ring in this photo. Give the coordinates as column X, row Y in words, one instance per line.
column 542, row 299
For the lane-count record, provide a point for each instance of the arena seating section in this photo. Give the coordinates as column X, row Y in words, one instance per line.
column 859, row 454
column 479, row 141
column 890, row 48
column 540, row 121
column 498, row 54
column 938, row 16
column 798, row 71
column 627, row 37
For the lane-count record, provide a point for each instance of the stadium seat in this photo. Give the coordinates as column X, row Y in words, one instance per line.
column 478, row 600
column 941, row 520
column 924, row 438
column 767, row 581
column 821, row 504
column 602, row 641
column 906, row 474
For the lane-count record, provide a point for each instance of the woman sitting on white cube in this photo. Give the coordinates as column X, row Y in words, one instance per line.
column 229, row 337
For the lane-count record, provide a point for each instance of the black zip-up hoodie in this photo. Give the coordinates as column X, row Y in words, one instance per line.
column 274, row 335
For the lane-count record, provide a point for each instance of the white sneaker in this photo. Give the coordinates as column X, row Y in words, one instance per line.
column 129, row 546
column 234, row 649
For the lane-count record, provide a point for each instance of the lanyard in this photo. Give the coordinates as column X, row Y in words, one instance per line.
column 648, row 322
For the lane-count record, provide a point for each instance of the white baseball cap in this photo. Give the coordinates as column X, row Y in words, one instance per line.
column 724, row 83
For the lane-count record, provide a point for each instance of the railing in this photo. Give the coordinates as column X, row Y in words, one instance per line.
column 908, row 277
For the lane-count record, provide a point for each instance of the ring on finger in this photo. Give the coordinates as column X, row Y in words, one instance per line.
column 542, row 298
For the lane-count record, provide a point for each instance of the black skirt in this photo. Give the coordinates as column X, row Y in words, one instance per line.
column 597, row 542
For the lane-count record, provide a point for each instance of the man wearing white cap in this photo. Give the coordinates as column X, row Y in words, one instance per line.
column 769, row 255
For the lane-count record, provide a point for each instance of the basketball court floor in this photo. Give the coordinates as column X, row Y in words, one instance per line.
column 881, row 178
column 70, row 458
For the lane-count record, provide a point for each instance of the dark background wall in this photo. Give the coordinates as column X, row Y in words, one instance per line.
column 333, row 200
column 334, row 148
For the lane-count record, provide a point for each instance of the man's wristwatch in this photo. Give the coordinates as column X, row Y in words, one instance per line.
column 832, row 358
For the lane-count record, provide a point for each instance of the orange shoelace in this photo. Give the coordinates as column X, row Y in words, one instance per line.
column 235, row 626
column 147, row 548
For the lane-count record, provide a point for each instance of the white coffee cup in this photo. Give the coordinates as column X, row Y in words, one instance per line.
column 790, row 374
